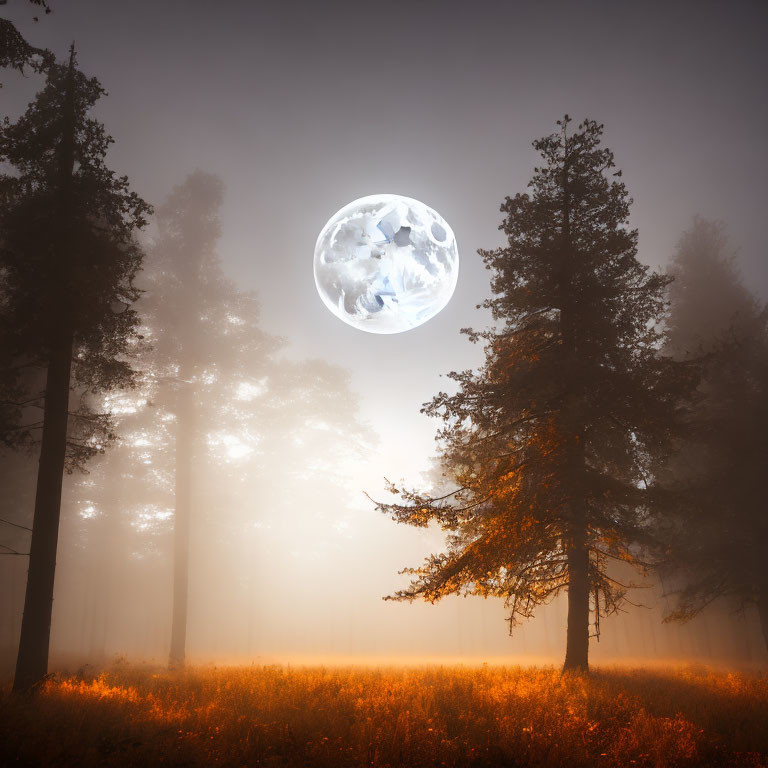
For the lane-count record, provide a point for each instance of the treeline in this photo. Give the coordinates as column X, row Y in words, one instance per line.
column 620, row 418
column 139, row 363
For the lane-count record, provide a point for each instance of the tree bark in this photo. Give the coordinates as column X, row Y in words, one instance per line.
column 577, row 643
column 32, row 660
column 181, row 524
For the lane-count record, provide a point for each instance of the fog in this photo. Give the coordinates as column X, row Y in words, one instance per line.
column 281, row 113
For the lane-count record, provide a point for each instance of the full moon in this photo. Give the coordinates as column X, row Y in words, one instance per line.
column 386, row 263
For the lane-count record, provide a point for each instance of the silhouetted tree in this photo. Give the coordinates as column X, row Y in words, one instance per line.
column 717, row 536
column 15, row 51
column 549, row 442
column 68, row 264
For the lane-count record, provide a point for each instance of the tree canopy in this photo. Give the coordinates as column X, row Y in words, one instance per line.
column 15, row 52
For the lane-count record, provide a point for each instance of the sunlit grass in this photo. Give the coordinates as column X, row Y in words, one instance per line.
column 419, row 716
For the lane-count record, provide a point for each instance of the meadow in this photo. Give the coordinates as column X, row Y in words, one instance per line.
column 485, row 716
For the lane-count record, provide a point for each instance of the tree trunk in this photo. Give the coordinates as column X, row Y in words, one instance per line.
column 577, row 644
column 185, row 432
column 577, row 552
column 32, row 660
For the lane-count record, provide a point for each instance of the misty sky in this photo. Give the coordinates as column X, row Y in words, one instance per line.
column 301, row 107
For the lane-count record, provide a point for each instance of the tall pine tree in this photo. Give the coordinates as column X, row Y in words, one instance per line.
column 549, row 442
column 716, row 535
column 68, row 262
column 206, row 337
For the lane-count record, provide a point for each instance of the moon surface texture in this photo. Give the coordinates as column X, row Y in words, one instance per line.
column 386, row 263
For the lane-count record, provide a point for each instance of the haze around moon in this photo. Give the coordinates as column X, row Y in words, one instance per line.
column 386, row 263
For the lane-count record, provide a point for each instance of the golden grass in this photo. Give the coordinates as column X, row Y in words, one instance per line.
column 422, row 716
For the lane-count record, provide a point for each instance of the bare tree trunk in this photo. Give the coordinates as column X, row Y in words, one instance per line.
column 184, row 456
column 577, row 644
column 32, row 660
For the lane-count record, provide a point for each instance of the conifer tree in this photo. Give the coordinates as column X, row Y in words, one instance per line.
column 716, row 530
column 709, row 304
column 549, row 442
column 68, row 262
column 206, row 337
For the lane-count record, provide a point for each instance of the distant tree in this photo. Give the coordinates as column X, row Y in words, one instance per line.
column 717, row 538
column 260, row 425
column 272, row 442
column 709, row 303
column 205, row 334
column 68, row 264
column 550, row 441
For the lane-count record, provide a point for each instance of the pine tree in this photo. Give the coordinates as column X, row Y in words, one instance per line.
column 205, row 335
column 549, row 442
column 709, row 303
column 717, row 531
column 68, row 263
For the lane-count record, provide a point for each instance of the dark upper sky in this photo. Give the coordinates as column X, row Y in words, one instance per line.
column 304, row 106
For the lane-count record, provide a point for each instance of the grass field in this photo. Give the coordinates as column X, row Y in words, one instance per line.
column 421, row 716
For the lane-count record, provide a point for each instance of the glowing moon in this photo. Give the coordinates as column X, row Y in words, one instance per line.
column 386, row 263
